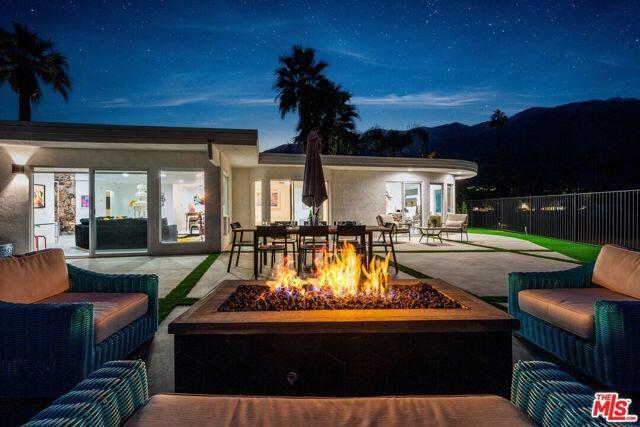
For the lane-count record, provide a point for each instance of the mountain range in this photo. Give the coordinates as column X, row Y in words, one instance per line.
column 581, row 146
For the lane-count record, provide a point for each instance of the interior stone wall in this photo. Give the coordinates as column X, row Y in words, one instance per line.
column 66, row 201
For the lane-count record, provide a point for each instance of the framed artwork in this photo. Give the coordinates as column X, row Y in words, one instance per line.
column 84, row 201
column 275, row 199
column 39, row 197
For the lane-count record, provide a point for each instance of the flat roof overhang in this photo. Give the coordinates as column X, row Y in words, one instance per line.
column 461, row 169
column 95, row 136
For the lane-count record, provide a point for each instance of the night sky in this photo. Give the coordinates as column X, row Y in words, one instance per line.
column 211, row 63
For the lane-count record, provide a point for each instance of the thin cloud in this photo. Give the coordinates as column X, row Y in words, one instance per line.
column 252, row 101
column 350, row 54
column 425, row 99
column 169, row 101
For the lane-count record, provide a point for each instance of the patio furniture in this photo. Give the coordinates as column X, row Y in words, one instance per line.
column 432, row 232
column 388, row 244
column 117, row 393
column 238, row 241
column 279, row 243
column 400, row 227
column 352, row 234
column 457, row 223
column 61, row 322
column 588, row 316
column 311, row 238
column 291, row 240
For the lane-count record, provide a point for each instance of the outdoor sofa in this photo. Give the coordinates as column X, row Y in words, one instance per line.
column 58, row 322
column 117, row 394
column 588, row 316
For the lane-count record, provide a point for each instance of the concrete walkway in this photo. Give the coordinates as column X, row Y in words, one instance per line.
column 169, row 269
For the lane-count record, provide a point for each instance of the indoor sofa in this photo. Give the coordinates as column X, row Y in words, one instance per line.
column 122, row 233
column 588, row 316
column 117, row 394
column 59, row 322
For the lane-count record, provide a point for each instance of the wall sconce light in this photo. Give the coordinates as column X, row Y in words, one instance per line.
column 17, row 169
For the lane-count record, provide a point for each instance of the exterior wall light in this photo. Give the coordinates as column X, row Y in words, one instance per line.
column 17, row 169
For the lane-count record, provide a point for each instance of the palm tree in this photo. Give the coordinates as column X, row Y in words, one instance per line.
column 321, row 104
column 336, row 119
column 497, row 121
column 25, row 60
column 297, row 80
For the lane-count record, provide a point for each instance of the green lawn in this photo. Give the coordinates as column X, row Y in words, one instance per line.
column 579, row 251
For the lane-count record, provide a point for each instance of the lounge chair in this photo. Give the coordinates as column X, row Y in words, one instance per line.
column 60, row 322
column 456, row 223
column 588, row 316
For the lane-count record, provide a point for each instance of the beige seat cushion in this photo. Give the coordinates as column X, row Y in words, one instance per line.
column 568, row 309
column 437, row 411
column 111, row 311
column 618, row 269
column 453, row 224
column 34, row 276
column 387, row 218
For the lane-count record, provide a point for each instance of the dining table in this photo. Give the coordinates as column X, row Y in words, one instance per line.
column 333, row 229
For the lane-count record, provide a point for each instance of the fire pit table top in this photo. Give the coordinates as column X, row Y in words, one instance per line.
column 476, row 316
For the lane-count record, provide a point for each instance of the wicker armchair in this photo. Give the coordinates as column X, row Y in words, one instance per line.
column 46, row 349
column 541, row 394
column 611, row 356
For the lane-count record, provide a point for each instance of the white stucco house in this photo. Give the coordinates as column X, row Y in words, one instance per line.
column 100, row 190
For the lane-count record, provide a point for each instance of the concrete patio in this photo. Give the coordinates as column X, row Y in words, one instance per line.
column 480, row 267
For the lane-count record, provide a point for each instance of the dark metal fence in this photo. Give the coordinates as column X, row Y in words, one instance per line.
column 596, row 218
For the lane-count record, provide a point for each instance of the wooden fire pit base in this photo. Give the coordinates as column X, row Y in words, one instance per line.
column 343, row 352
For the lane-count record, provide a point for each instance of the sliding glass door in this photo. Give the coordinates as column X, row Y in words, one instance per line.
column 120, row 215
column 403, row 200
column 60, row 210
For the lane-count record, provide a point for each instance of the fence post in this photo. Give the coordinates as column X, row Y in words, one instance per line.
column 575, row 217
column 530, row 213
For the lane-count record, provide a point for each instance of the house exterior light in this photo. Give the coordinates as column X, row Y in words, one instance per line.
column 17, row 169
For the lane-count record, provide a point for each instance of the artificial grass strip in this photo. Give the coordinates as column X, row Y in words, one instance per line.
column 410, row 271
column 178, row 295
column 582, row 252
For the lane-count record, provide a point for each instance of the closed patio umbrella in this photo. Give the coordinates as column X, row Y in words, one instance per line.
column 314, row 190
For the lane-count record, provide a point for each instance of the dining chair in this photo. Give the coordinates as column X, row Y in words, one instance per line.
column 311, row 238
column 388, row 245
column 277, row 233
column 237, row 242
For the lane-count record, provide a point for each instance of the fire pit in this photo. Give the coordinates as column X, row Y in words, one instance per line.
column 262, row 298
column 332, row 335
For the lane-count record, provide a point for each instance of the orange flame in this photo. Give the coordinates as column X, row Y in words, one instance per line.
column 342, row 273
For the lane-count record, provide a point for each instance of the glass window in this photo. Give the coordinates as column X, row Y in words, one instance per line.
column 301, row 211
column 413, row 203
column 121, row 211
column 393, row 197
column 435, row 199
column 403, row 200
column 225, row 195
column 182, row 206
column 280, row 200
column 257, row 202
column 450, row 202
